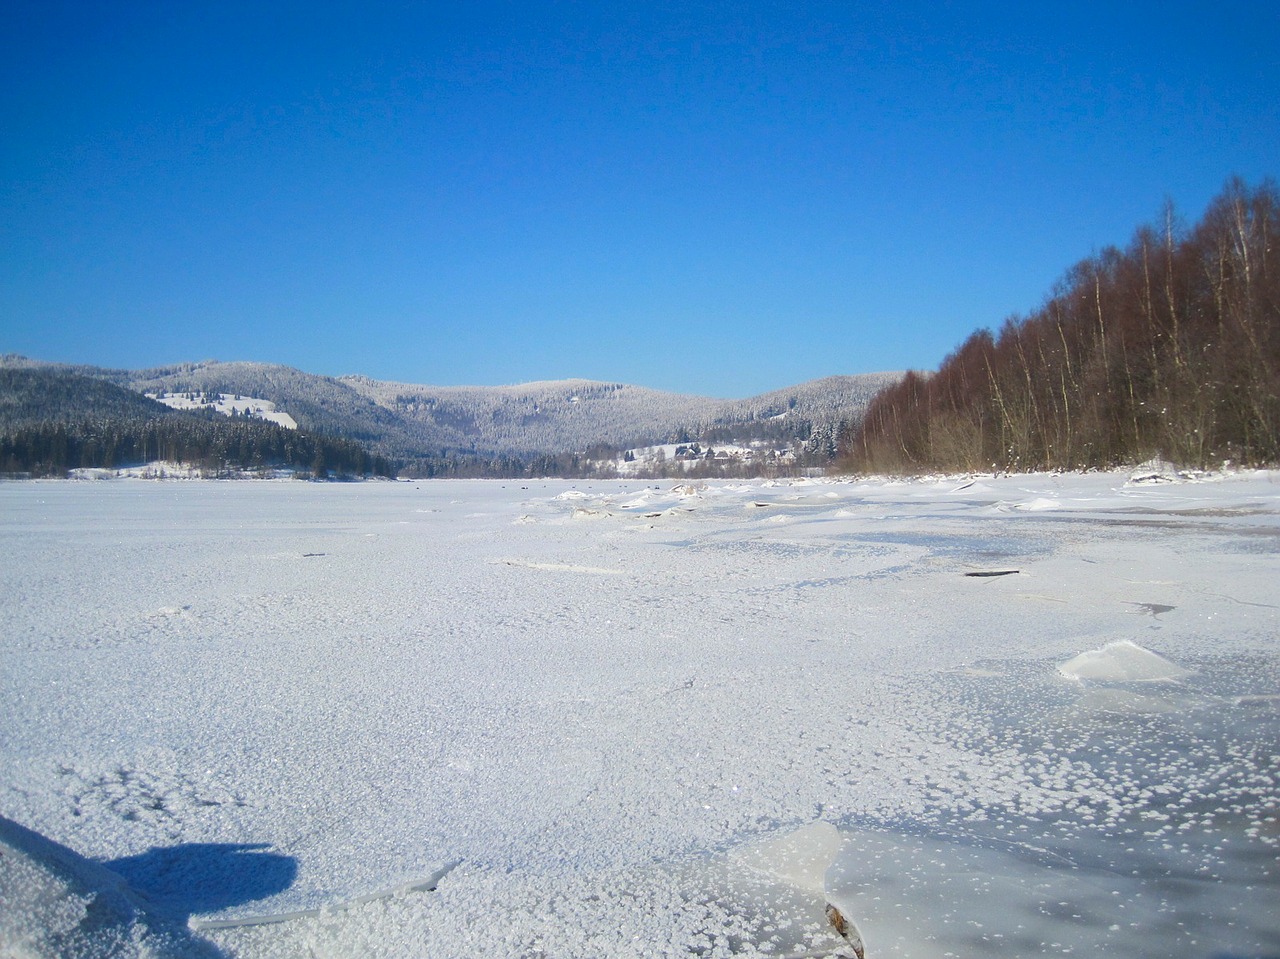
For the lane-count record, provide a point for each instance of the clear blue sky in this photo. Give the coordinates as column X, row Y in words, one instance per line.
column 718, row 198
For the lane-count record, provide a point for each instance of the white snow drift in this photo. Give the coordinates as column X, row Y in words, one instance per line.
column 645, row 734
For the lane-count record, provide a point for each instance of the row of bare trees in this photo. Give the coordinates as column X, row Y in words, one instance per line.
column 1170, row 347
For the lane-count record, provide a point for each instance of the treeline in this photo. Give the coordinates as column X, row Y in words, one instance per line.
column 473, row 465
column 691, row 460
column 216, row 445
column 1170, row 347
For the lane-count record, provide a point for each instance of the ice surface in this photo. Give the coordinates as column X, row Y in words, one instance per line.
column 250, row 698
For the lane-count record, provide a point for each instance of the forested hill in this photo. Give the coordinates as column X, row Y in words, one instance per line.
column 37, row 396
column 509, row 430
column 54, row 420
column 1169, row 347
column 578, row 415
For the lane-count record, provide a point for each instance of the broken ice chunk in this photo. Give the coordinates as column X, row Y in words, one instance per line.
column 1122, row 662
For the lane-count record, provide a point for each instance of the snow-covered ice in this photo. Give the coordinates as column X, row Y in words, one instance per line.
column 454, row 719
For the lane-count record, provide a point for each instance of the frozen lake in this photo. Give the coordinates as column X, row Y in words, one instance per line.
column 575, row 705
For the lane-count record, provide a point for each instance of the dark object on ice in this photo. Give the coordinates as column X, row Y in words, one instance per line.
column 993, row 572
column 1154, row 609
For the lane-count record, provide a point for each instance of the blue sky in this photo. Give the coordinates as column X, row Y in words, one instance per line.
column 719, row 198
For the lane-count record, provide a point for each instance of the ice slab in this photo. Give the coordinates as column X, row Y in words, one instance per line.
column 801, row 857
column 1122, row 662
column 776, row 888
column 930, row 896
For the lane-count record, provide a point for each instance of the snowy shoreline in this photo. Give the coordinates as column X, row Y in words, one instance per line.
column 578, row 688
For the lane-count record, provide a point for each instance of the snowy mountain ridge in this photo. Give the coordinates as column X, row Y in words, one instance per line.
column 530, row 419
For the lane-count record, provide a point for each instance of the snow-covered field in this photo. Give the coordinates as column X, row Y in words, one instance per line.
column 539, row 720
column 228, row 404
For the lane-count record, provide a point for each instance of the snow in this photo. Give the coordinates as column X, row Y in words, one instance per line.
column 228, row 701
column 167, row 470
column 228, row 404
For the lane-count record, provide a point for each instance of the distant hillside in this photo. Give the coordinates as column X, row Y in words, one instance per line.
column 813, row 414
column 503, row 430
column 316, row 403
column 53, row 420
column 1168, row 348
column 565, row 415
column 532, row 418
column 36, row 395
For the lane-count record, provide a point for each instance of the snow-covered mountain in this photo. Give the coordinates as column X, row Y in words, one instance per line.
column 530, row 419
column 544, row 417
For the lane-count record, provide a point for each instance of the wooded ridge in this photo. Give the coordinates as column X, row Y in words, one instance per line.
column 53, row 421
column 1169, row 348
column 568, row 427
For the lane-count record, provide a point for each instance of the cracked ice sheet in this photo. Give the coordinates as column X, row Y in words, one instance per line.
column 377, row 678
